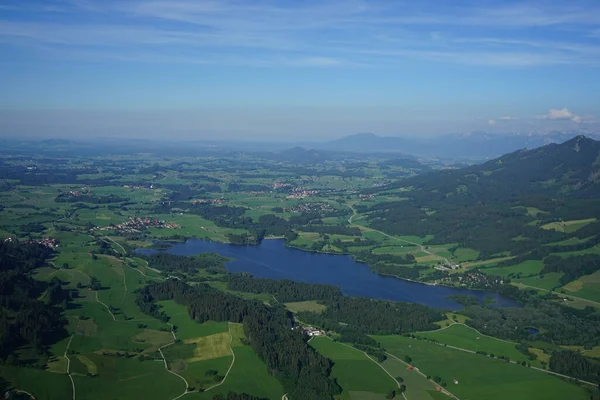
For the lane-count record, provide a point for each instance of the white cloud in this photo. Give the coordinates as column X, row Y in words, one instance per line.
column 491, row 122
column 562, row 114
column 390, row 33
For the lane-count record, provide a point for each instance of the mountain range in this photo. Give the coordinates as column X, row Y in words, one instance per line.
column 475, row 146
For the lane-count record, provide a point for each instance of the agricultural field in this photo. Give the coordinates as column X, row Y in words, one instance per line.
column 478, row 376
column 464, row 337
column 300, row 306
column 358, row 375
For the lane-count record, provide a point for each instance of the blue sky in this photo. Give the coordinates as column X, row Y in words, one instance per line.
column 297, row 69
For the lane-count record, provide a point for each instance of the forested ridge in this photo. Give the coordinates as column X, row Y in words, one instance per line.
column 302, row 371
column 484, row 206
column 30, row 310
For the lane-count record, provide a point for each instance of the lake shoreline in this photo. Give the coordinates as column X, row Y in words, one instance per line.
column 272, row 259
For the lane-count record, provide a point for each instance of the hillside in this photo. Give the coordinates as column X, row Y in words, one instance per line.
column 531, row 203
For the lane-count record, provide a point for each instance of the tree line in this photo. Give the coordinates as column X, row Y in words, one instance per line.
column 302, row 371
column 30, row 310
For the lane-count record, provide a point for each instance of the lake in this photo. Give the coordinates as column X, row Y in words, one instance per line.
column 272, row 259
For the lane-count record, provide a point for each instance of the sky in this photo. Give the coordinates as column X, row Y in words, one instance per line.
column 297, row 69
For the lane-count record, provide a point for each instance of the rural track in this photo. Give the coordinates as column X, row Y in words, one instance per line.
column 510, row 361
column 445, row 391
column 69, row 366
column 232, row 361
column 390, row 375
column 24, row 392
column 117, row 243
column 98, row 300
column 423, row 249
column 187, row 386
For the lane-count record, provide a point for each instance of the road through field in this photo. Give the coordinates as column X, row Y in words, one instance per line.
column 423, row 249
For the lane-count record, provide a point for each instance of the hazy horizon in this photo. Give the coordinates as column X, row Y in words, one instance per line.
column 293, row 71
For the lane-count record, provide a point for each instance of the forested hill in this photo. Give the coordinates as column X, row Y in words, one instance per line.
column 487, row 206
column 568, row 169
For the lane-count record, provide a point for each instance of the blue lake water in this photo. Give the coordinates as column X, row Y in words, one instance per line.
column 272, row 259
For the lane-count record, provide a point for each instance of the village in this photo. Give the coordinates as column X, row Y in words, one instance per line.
column 48, row 242
column 136, row 224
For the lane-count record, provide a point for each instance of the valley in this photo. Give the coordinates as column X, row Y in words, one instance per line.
column 517, row 251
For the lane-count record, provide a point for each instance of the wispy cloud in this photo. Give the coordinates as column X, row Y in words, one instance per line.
column 349, row 32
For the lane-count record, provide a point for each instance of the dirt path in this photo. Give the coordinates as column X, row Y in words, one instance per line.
column 445, row 391
column 423, row 249
column 167, row 365
column 574, row 298
column 232, row 361
column 124, row 252
column 98, row 300
column 353, row 214
column 390, row 375
column 69, row 366
column 470, row 327
column 510, row 361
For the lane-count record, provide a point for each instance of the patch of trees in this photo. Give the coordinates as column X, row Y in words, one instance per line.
column 574, row 364
column 464, row 299
column 556, row 324
column 25, row 319
column 572, row 267
column 166, row 262
column 302, row 371
column 377, row 316
column 88, row 198
column 241, row 187
column 331, row 230
column 284, row 290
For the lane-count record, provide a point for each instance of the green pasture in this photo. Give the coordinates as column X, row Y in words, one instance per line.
column 353, row 370
column 478, row 376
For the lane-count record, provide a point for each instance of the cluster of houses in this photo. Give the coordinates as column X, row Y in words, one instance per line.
column 136, row 224
column 139, row 186
column 281, row 185
column 309, row 207
column 48, row 242
column 310, row 331
column 447, row 267
column 474, row 280
column 209, row 201
column 84, row 190
column 301, row 193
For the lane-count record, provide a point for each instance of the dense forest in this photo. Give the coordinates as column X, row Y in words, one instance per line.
column 557, row 324
column 485, row 206
column 366, row 315
column 303, row 372
column 284, row 290
column 574, row 364
column 30, row 310
column 377, row 316
column 166, row 262
column 572, row 267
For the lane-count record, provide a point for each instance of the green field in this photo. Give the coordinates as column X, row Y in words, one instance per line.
column 300, row 306
column 468, row 338
column 525, row 269
column 478, row 376
column 353, row 370
column 186, row 327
